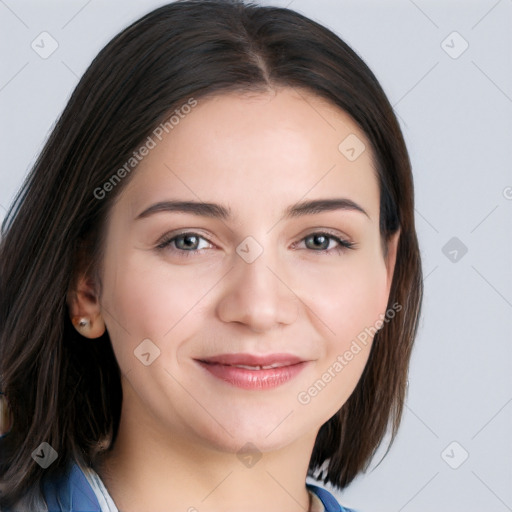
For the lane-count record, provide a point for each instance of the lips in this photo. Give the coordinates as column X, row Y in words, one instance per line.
column 254, row 360
column 256, row 372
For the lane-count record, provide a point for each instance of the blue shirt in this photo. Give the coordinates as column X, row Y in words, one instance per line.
column 73, row 493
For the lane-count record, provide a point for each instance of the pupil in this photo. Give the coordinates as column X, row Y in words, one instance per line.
column 187, row 239
column 321, row 239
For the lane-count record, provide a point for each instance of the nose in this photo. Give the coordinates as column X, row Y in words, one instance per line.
column 257, row 295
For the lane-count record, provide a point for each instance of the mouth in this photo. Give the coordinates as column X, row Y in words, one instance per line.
column 254, row 360
column 256, row 372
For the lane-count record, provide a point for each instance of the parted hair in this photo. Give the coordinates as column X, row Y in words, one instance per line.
column 66, row 392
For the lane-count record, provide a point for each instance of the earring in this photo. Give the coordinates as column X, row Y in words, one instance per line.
column 81, row 323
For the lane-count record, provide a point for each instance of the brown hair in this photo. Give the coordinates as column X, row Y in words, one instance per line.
column 68, row 393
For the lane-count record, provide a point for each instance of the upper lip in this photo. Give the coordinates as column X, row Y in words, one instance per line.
column 253, row 359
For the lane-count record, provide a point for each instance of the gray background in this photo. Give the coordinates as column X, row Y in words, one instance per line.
column 456, row 113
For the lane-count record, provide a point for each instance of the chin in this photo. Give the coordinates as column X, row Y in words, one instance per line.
column 267, row 432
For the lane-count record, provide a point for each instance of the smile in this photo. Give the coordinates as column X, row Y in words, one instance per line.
column 243, row 370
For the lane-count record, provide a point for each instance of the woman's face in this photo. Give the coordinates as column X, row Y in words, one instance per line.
column 246, row 278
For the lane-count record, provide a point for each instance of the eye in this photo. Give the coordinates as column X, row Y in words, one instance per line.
column 184, row 243
column 188, row 243
column 322, row 242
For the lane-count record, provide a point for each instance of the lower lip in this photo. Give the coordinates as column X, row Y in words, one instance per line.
column 254, row 379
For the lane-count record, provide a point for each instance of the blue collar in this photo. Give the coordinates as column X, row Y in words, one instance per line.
column 72, row 493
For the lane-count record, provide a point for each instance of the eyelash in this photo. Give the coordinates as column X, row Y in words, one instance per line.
column 165, row 243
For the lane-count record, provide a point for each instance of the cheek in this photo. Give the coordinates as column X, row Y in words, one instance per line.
column 347, row 298
column 346, row 302
column 145, row 299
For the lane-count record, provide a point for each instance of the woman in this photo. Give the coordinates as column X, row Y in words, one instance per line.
column 211, row 280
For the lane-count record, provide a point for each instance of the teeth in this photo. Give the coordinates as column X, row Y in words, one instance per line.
column 258, row 367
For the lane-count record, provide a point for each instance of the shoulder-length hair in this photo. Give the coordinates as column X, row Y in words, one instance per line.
column 66, row 392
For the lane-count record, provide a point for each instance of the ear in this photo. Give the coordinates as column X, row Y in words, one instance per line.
column 390, row 258
column 84, row 307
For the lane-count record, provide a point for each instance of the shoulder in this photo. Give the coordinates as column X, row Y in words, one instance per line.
column 70, row 492
column 328, row 500
column 65, row 491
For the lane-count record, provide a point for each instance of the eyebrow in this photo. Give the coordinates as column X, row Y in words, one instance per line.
column 218, row 211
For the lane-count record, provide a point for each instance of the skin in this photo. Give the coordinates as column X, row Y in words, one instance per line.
column 180, row 427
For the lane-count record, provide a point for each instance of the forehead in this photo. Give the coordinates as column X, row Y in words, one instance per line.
column 278, row 147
